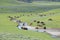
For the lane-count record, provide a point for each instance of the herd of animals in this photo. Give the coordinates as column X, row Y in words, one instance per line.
column 38, row 28
column 23, row 25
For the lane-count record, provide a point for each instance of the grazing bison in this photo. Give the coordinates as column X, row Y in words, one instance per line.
column 44, row 15
column 39, row 25
column 31, row 14
column 10, row 17
column 44, row 27
column 50, row 19
column 38, row 21
column 41, row 15
column 34, row 20
column 36, row 27
column 42, row 23
column 16, row 16
column 23, row 14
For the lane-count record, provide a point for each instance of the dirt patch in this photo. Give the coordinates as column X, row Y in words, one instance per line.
column 54, row 31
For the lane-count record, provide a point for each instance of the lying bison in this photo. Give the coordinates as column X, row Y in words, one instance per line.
column 24, row 28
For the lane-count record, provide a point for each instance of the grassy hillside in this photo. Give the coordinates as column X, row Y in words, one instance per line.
column 13, row 6
column 7, row 26
column 48, row 10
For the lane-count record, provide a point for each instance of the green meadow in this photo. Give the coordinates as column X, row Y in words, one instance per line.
column 48, row 10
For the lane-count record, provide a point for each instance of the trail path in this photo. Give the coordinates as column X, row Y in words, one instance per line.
column 51, row 31
column 54, row 31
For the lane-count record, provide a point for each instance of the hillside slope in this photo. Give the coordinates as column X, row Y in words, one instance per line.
column 27, row 12
column 12, row 6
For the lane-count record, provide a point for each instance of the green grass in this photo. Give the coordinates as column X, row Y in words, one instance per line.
column 12, row 6
column 10, row 27
column 15, row 8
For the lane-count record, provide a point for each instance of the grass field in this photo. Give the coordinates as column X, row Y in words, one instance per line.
column 8, row 29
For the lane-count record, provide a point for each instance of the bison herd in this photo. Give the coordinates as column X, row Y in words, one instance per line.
column 38, row 23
